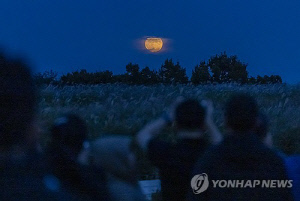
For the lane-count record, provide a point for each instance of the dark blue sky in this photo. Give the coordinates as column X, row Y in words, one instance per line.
column 66, row 35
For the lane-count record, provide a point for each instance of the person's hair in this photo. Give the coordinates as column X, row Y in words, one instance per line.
column 69, row 133
column 241, row 112
column 17, row 101
column 262, row 126
column 189, row 115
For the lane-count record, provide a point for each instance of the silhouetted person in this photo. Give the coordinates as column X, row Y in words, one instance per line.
column 241, row 156
column 69, row 134
column 175, row 161
column 293, row 163
column 22, row 175
column 115, row 155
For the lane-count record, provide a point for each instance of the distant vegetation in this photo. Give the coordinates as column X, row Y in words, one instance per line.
column 124, row 109
column 218, row 69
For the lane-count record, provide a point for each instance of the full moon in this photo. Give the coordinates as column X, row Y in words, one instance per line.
column 153, row 44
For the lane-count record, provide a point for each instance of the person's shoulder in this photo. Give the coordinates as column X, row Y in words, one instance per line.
column 192, row 142
column 272, row 156
column 158, row 151
column 157, row 140
column 209, row 156
column 214, row 151
column 159, row 144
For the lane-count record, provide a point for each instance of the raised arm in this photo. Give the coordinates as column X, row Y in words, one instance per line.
column 150, row 131
column 215, row 135
column 155, row 127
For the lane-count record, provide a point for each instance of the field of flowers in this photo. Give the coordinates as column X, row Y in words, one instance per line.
column 123, row 109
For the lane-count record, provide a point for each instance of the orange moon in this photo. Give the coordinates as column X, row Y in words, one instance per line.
column 154, row 44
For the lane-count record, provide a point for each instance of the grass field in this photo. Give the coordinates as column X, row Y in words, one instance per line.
column 123, row 109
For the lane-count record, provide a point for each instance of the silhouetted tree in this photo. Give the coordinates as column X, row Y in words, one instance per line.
column 252, row 80
column 237, row 71
column 149, row 76
column 81, row 77
column 227, row 69
column 200, row 74
column 48, row 77
column 172, row 74
column 275, row 79
column 120, row 78
column 133, row 74
column 260, row 80
column 180, row 74
column 102, row 77
column 266, row 79
column 219, row 68
column 165, row 71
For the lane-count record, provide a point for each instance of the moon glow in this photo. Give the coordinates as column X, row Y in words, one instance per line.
column 153, row 44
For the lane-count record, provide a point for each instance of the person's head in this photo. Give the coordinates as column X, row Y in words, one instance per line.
column 241, row 113
column 189, row 116
column 69, row 133
column 17, row 103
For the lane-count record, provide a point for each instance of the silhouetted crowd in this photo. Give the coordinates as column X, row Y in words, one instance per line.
column 201, row 164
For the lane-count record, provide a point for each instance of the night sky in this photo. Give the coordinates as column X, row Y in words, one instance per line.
column 65, row 35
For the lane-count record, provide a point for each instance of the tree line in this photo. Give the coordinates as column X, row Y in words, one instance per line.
column 218, row 69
